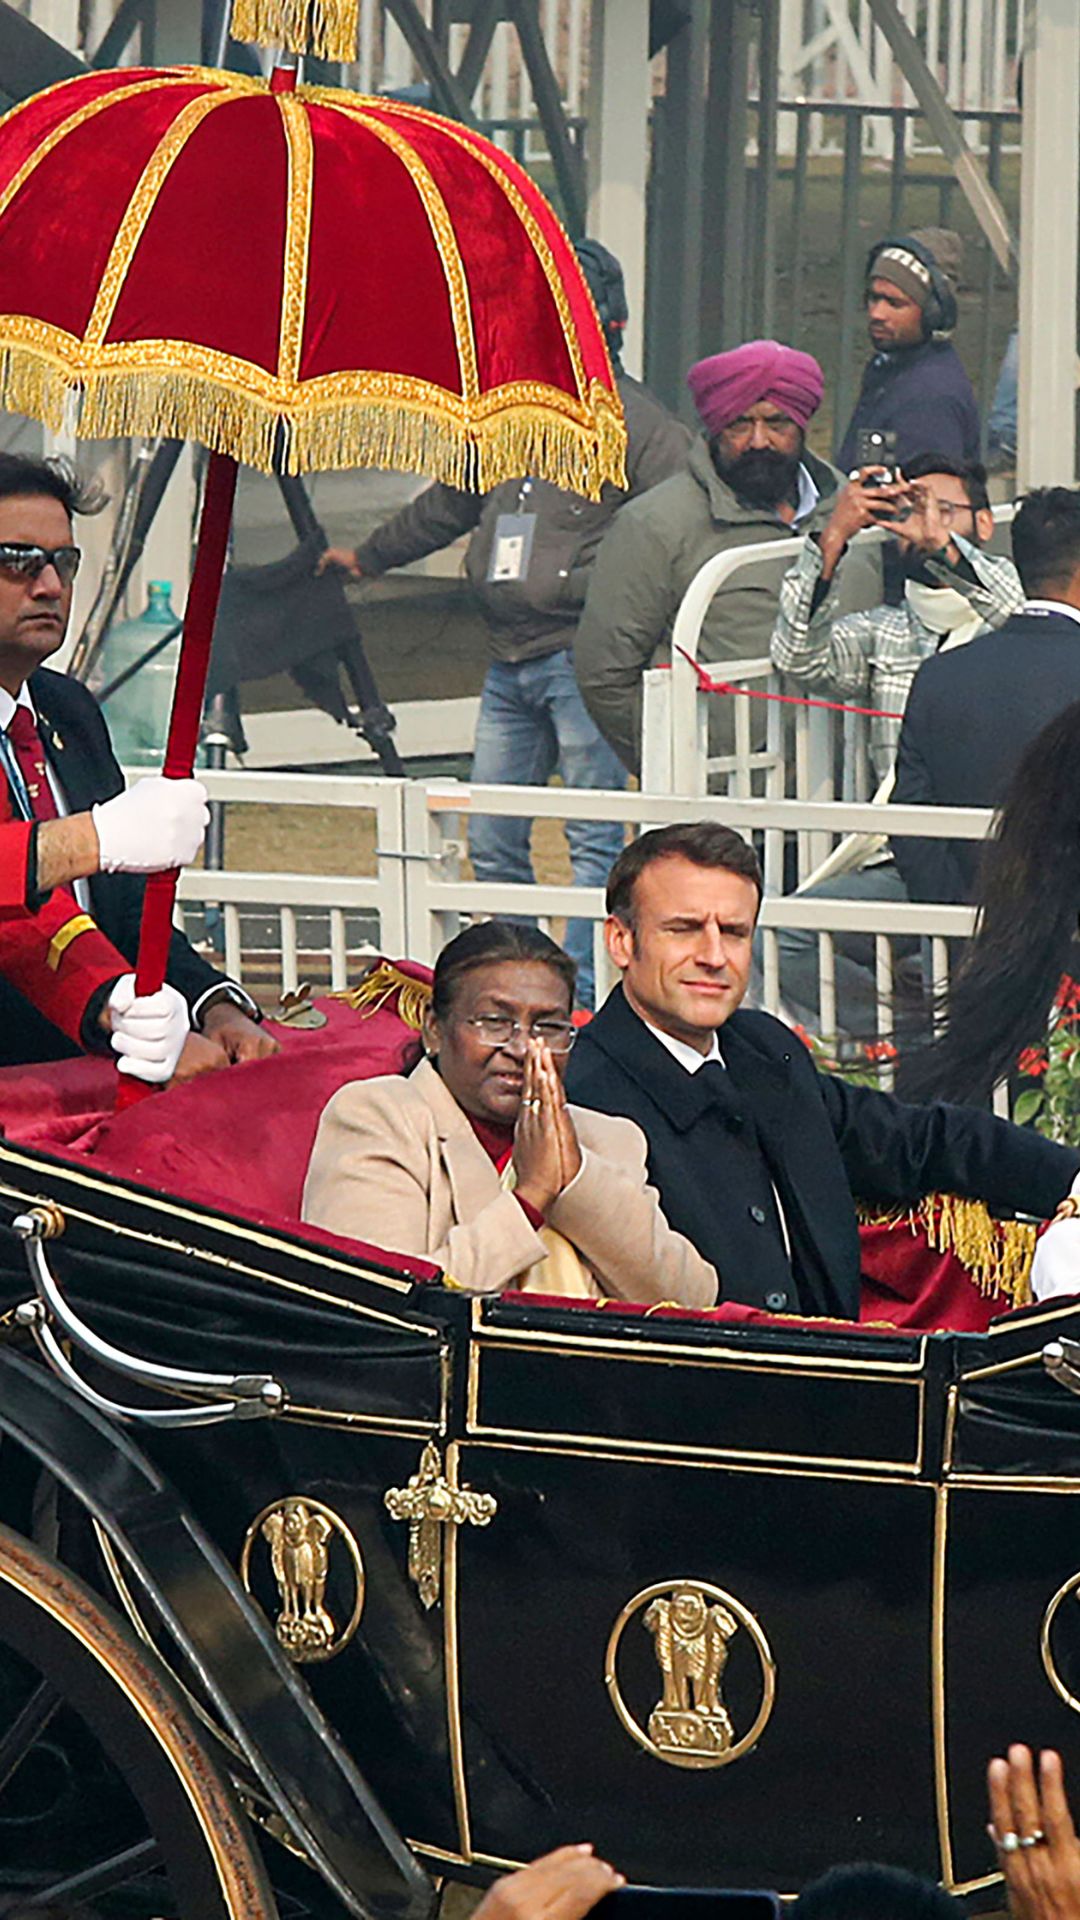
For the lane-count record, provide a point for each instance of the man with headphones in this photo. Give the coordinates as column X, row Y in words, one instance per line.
column 914, row 386
column 529, row 559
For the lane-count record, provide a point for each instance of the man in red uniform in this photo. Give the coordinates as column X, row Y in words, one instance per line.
column 50, row 950
column 56, row 955
column 58, row 765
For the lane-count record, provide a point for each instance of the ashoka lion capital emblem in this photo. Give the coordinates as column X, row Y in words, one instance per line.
column 692, row 1626
column 300, row 1533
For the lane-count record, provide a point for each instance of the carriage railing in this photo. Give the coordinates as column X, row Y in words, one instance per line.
column 203, row 1399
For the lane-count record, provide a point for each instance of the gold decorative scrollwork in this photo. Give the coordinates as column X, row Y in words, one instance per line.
column 429, row 1503
column 1046, row 1648
column 692, row 1625
column 300, row 1534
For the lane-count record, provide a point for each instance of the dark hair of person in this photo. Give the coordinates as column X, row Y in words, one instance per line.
column 487, row 943
column 970, row 473
column 867, row 1891
column 23, row 478
column 1046, row 538
column 705, row 843
column 1028, row 896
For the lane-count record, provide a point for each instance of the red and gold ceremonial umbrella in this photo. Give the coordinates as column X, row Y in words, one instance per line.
column 294, row 276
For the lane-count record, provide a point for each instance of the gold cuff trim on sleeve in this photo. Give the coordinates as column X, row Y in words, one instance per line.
column 63, row 937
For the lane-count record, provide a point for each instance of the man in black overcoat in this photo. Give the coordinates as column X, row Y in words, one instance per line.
column 755, row 1154
column 973, row 712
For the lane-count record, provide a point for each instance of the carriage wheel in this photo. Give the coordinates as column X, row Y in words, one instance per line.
column 106, row 1792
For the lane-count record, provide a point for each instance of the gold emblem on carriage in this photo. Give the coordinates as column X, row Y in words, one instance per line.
column 694, row 1629
column 299, row 1536
column 430, row 1502
column 1059, row 1642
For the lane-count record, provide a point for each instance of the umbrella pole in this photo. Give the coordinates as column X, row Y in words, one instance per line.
column 156, row 931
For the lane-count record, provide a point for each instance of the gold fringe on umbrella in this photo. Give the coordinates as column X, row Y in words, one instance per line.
column 996, row 1253
column 378, row 986
column 326, row 28
column 411, row 435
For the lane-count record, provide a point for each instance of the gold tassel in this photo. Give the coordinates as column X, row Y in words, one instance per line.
column 326, row 28
column 996, row 1253
column 408, row 436
column 377, row 987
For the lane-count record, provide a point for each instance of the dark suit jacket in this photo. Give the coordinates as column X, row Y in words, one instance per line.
column 79, row 751
column 970, row 716
column 824, row 1141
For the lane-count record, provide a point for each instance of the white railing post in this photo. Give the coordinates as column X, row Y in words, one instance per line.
column 433, row 843
column 688, row 764
column 657, row 772
column 391, row 866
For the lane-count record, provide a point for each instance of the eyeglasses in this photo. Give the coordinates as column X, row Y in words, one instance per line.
column 26, row 562
column 776, row 426
column 498, row 1029
column 950, row 510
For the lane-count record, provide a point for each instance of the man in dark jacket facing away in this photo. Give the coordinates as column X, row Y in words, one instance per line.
column 528, row 563
column 914, row 386
column 754, row 1153
column 972, row 713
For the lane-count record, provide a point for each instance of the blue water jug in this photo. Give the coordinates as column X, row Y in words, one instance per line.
column 138, row 712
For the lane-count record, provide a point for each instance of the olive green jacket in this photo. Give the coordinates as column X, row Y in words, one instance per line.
column 648, row 558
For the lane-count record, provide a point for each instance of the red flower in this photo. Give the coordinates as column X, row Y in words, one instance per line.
column 880, row 1050
column 1033, row 1060
column 1068, row 994
column 806, row 1038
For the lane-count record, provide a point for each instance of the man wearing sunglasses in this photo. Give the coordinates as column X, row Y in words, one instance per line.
column 70, row 822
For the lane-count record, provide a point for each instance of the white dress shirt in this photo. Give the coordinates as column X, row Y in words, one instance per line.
column 1052, row 606
column 686, row 1055
column 8, row 705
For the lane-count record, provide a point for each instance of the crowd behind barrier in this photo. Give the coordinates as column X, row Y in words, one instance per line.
column 799, row 791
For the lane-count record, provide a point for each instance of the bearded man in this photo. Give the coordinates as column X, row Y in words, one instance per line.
column 748, row 478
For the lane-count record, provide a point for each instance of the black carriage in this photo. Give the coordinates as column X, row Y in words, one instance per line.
column 297, row 1541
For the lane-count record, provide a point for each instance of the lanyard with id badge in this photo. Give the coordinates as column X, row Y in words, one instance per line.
column 512, row 548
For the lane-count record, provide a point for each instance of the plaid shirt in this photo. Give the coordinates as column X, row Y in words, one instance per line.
column 871, row 658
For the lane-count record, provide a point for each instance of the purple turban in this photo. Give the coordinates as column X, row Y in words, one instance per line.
column 726, row 384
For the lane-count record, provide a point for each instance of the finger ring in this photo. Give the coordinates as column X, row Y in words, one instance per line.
column 533, row 1105
column 1007, row 1842
column 1036, row 1839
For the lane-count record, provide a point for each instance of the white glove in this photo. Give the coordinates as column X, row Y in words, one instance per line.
column 149, row 1032
column 157, row 823
column 1056, row 1266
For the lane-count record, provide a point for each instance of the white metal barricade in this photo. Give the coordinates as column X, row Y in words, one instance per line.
column 381, row 893
column 418, row 895
column 813, row 753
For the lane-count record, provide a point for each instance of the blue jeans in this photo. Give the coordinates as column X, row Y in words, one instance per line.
column 533, row 723
column 1001, row 426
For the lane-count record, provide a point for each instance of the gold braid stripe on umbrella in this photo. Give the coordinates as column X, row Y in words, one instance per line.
column 297, row 277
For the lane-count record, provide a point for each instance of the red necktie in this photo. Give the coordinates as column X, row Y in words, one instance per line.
column 30, row 757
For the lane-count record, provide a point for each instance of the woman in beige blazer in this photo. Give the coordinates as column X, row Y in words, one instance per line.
column 476, row 1162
